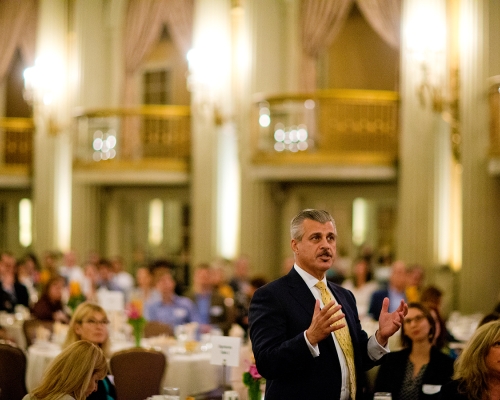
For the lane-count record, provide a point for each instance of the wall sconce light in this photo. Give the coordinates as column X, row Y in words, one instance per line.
column 42, row 86
column 439, row 75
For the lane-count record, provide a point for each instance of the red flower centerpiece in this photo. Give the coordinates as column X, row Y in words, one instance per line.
column 252, row 380
column 136, row 320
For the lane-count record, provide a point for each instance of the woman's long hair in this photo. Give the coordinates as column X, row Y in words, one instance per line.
column 470, row 367
column 71, row 372
column 83, row 312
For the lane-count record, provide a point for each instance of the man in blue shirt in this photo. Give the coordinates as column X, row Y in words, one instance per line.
column 395, row 290
column 213, row 309
column 171, row 309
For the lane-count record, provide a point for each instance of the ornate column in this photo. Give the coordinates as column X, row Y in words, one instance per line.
column 52, row 146
column 425, row 155
column 481, row 193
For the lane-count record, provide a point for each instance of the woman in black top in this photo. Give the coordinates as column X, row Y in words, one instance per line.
column 477, row 371
column 419, row 370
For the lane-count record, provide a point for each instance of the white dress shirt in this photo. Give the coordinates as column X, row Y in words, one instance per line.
column 375, row 350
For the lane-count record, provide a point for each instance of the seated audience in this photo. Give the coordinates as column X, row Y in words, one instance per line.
column 145, row 290
column 477, row 369
column 90, row 322
column 106, row 275
column 219, row 279
column 73, row 375
column 395, row 291
column 213, row 310
column 414, row 281
column 50, row 306
column 28, row 274
column 171, row 308
column 122, row 279
column 12, row 292
column 361, row 285
column 419, row 370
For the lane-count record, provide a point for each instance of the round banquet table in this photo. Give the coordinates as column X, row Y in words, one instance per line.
column 13, row 325
column 191, row 372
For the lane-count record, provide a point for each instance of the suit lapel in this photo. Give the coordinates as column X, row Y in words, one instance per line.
column 299, row 291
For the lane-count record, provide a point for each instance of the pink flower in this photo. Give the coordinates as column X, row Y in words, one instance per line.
column 253, row 371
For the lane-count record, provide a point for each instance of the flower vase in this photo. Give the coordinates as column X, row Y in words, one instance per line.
column 138, row 331
column 254, row 392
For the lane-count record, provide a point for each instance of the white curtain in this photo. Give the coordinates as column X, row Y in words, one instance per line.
column 322, row 20
column 143, row 26
column 384, row 16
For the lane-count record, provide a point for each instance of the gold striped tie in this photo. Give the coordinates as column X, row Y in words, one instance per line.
column 344, row 339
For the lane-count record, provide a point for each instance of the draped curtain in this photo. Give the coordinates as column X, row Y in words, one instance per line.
column 143, row 25
column 322, row 20
column 18, row 21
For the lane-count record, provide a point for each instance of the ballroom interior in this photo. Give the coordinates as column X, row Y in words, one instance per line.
column 196, row 129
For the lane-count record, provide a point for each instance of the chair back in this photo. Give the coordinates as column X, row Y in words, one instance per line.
column 31, row 325
column 155, row 328
column 138, row 373
column 12, row 372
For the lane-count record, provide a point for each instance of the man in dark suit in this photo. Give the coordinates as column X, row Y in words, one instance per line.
column 299, row 342
column 395, row 291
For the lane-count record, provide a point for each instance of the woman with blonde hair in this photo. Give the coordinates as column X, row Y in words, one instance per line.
column 73, row 375
column 477, row 369
column 90, row 322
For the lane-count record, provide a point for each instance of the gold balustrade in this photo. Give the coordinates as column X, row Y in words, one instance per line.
column 340, row 126
column 153, row 135
column 16, row 142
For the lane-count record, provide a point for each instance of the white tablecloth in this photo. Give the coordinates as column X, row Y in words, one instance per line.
column 192, row 373
column 14, row 328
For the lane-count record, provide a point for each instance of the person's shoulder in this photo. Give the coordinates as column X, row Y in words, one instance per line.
column 441, row 357
column 450, row 391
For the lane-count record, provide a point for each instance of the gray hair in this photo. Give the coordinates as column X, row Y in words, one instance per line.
column 296, row 228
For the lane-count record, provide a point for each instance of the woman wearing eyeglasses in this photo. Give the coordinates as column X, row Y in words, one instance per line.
column 90, row 322
column 419, row 370
column 477, row 371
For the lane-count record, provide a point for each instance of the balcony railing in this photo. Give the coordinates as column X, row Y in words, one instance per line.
column 327, row 127
column 144, row 134
column 16, row 143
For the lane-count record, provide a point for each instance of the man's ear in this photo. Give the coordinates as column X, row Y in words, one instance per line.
column 293, row 245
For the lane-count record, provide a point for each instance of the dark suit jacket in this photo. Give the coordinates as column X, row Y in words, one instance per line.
column 279, row 314
column 7, row 303
column 392, row 371
column 376, row 302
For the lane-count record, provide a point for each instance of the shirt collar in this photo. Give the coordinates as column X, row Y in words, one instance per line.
column 308, row 278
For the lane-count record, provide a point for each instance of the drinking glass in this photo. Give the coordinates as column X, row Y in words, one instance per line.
column 382, row 396
column 171, row 393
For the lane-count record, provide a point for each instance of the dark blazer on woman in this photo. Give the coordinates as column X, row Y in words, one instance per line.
column 8, row 303
column 279, row 314
column 450, row 392
column 392, row 371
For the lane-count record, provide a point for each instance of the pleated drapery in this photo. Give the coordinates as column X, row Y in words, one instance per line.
column 322, row 20
column 143, row 25
column 18, row 22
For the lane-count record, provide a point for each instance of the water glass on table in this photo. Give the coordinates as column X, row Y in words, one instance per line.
column 382, row 396
column 171, row 393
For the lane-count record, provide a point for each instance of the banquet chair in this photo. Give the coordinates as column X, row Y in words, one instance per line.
column 138, row 373
column 12, row 372
column 31, row 325
column 155, row 328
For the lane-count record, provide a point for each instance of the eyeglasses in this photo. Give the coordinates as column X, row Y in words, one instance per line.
column 417, row 319
column 94, row 322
